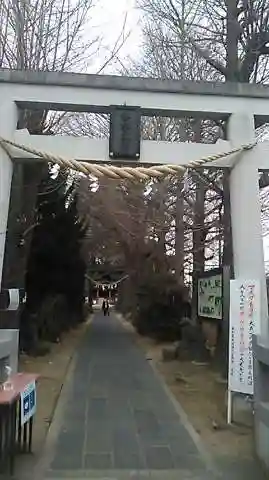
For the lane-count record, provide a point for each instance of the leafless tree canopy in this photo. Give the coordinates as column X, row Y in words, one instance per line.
column 46, row 34
column 230, row 36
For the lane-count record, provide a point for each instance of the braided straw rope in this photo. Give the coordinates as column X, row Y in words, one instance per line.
column 124, row 172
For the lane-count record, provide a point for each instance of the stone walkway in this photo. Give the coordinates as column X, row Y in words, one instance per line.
column 118, row 421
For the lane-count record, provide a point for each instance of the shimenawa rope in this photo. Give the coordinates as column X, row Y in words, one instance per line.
column 106, row 283
column 123, row 172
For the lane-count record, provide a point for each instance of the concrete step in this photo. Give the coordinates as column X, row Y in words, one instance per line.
column 130, row 475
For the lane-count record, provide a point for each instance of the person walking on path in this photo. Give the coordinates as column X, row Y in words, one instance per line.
column 105, row 307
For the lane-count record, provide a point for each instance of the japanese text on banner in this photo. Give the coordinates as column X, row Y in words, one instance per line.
column 244, row 317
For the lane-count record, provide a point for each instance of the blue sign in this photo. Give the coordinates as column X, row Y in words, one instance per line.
column 28, row 402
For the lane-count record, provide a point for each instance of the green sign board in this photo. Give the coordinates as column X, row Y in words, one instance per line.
column 210, row 295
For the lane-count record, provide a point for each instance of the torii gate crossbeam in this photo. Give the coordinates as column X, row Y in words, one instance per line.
column 241, row 105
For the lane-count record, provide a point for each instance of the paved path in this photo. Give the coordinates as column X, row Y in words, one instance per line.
column 118, row 421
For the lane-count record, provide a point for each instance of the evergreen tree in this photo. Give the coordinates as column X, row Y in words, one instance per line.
column 56, row 270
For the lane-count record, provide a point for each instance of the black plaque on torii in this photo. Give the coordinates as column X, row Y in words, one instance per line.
column 124, row 134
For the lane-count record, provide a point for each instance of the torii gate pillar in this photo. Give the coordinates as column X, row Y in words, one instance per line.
column 246, row 211
column 249, row 264
column 8, row 124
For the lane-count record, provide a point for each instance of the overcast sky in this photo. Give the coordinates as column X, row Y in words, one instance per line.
column 109, row 16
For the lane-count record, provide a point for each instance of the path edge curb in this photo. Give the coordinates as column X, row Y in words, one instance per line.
column 206, row 456
column 47, row 454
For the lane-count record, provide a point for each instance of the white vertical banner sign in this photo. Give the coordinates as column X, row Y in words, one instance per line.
column 244, row 322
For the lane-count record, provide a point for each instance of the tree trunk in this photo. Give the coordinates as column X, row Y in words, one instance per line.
column 233, row 31
column 198, row 240
column 161, row 195
column 179, row 235
column 227, row 258
column 198, row 227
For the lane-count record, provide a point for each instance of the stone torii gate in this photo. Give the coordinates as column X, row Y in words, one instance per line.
column 240, row 104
